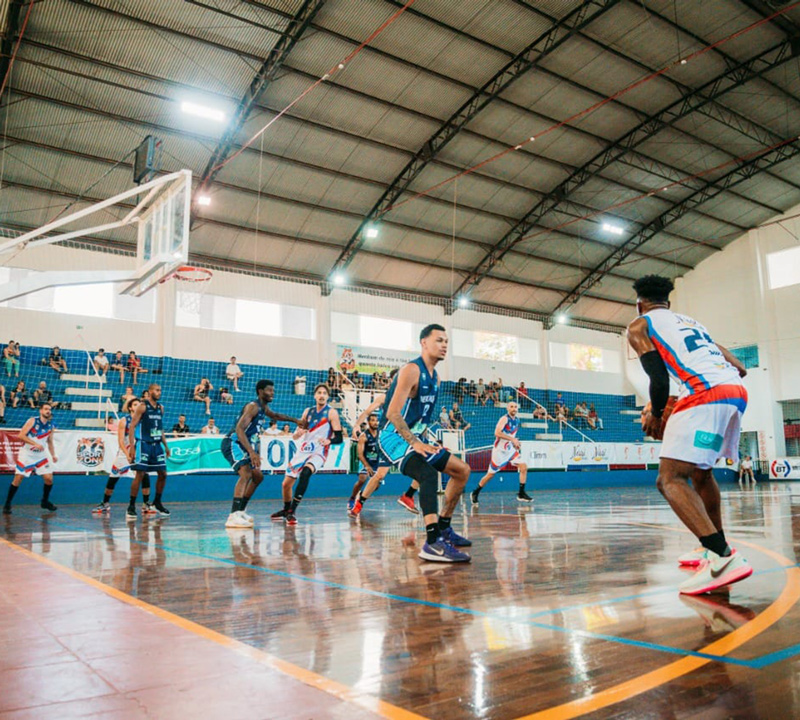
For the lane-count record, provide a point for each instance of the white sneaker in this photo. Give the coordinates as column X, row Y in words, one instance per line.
column 716, row 572
column 696, row 557
column 247, row 516
column 238, row 520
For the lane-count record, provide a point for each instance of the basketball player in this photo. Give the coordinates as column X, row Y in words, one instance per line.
column 241, row 447
column 368, row 454
column 704, row 425
column 505, row 451
column 319, row 428
column 122, row 466
column 410, row 406
column 406, row 500
column 33, row 458
column 148, row 448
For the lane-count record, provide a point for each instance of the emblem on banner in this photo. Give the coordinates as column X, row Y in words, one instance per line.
column 90, row 452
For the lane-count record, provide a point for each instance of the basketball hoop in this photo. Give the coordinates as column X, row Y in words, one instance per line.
column 194, row 283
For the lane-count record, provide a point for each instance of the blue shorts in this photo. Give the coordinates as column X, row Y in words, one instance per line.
column 375, row 463
column 149, row 457
column 234, row 453
column 396, row 451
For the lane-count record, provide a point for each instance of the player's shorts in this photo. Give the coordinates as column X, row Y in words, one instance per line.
column 396, row 451
column 33, row 462
column 310, row 453
column 122, row 466
column 149, row 456
column 503, row 454
column 706, row 426
column 374, row 462
column 235, row 454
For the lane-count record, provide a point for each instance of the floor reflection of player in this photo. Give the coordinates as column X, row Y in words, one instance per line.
column 510, row 549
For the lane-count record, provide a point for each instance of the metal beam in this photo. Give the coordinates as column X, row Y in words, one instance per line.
column 9, row 30
column 734, row 76
column 740, row 173
column 764, row 8
column 265, row 75
column 520, row 64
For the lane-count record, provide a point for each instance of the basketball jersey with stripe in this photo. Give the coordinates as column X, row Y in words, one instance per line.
column 125, row 423
column 319, row 427
column 253, row 430
column 691, row 356
column 510, row 428
column 418, row 410
column 41, row 431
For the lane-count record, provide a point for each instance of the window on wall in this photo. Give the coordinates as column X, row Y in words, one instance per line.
column 585, row 357
column 577, row 356
column 384, row 333
column 497, row 347
column 783, row 268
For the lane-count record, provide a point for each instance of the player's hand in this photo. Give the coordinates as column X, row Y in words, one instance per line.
column 55, row 458
column 255, row 459
column 324, row 443
column 424, row 448
column 37, row 446
column 515, row 443
column 166, row 450
column 302, row 424
column 354, row 434
column 651, row 425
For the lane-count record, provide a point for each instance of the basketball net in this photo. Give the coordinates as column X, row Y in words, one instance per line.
column 192, row 285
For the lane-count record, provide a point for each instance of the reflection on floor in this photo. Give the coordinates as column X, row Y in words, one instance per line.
column 563, row 600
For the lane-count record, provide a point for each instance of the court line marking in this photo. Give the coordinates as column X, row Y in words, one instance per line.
column 307, row 677
column 631, row 642
column 787, row 599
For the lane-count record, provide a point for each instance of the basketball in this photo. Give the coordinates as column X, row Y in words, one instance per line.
column 664, row 417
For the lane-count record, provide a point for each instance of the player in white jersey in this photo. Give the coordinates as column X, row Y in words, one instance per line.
column 704, row 425
column 34, row 458
column 505, row 451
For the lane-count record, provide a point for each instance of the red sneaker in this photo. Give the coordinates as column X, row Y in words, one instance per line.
column 290, row 518
column 408, row 504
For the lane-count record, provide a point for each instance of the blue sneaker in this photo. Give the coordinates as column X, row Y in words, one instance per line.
column 350, row 505
column 455, row 539
column 442, row 551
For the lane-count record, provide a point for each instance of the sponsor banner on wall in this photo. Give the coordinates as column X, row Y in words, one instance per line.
column 637, row 453
column 588, row 453
column 278, row 452
column 369, row 360
column 559, row 455
column 785, row 469
column 542, row 455
column 77, row 451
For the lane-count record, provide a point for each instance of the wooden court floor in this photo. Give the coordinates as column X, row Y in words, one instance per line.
column 569, row 609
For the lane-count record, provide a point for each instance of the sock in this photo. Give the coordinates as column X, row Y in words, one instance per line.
column 158, row 498
column 444, row 523
column 245, row 500
column 293, row 505
column 352, row 498
column 146, row 498
column 46, row 492
column 432, row 532
column 286, row 506
column 477, row 490
column 363, row 499
column 722, row 535
column 132, row 503
column 521, row 488
column 236, row 505
column 12, row 490
column 716, row 543
column 410, row 492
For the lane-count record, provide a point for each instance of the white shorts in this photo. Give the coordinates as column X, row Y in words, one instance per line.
column 502, row 454
column 122, row 466
column 705, row 427
column 30, row 462
column 310, row 453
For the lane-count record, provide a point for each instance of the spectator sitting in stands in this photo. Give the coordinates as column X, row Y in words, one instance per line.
column 493, row 393
column 120, row 365
column 471, row 389
column 595, row 422
column 202, row 393
column 273, row 428
column 42, row 396
column 385, row 381
column 225, row 397
column 11, row 354
column 111, row 423
column 540, row 413
column 210, row 428
column 135, row 365
column 580, row 415
column 180, row 427
column 145, row 396
column 444, row 419
column 2, row 405
column 561, row 414
column 523, row 396
column 286, row 430
column 100, row 362
column 460, row 391
column 480, row 393
column 56, row 360
column 127, row 396
column 559, row 403
column 457, row 419
column 233, row 372
column 19, row 395
column 357, row 380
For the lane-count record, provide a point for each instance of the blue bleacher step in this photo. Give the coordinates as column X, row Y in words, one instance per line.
column 71, row 377
column 94, row 392
column 630, row 412
column 541, row 425
column 550, row 436
column 90, row 423
column 91, row 405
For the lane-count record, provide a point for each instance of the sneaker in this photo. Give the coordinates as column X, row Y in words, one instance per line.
column 278, row 516
column 473, row 497
column 524, row 497
column 130, row 513
column 350, row 505
column 103, row 507
column 442, row 551
column 247, row 516
column 716, row 572
column 455, row 539
column 695, row 557
column 47, row 505
column 149, row 509
column 6, row 509
column 355, row 510
column 161, row 509
column 238, row 520
column 290, row 518
column 408, row 504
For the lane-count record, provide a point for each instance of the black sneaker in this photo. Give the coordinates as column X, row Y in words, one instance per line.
column 130, row 513
column 290, row 518
column 473, row 498
column 6, row 509
column 161, row 509
column 524, row 497
column 47, row 505
column 278, row 515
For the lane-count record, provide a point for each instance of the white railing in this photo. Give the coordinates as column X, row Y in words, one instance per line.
column 104, row 404
column 561, row 423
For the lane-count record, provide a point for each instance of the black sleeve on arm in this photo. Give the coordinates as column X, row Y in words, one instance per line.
column 337, row 438
column 659, row 381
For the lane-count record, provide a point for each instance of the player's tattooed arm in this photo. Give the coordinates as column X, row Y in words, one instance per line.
column 407, row 380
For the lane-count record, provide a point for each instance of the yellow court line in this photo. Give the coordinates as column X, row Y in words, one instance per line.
column 643, row 683
column 338, row 690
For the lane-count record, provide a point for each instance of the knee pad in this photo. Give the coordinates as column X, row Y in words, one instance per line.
column 302, row 484
column 417, row 468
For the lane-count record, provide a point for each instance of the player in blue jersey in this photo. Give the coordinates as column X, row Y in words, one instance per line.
column 241, row 447
column 33, row 458
column 148, row 447
column 505, row 452
column 410, row 404
column 121, row 467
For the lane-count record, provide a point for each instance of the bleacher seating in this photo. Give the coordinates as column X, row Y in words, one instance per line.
column 178, row 377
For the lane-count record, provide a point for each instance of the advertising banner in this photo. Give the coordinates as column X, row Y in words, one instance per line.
column 542, row 455
column 370, row 360
column 785, row 469
column 588, row 453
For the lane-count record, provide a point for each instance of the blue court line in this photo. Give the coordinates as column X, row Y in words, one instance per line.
column 755, row 663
